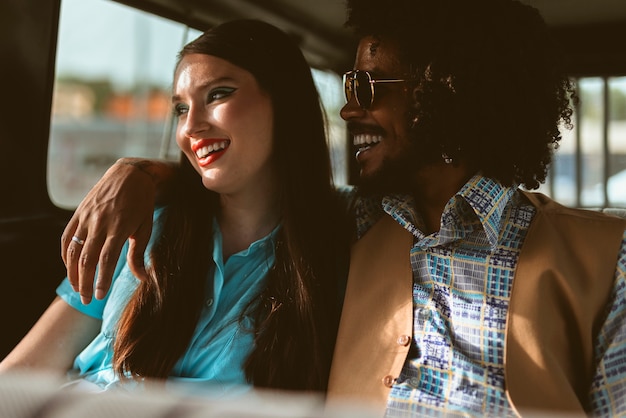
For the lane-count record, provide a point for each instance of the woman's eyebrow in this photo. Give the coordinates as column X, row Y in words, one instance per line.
column 206, row 85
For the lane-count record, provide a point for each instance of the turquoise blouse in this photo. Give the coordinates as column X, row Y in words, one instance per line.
column 222, row 340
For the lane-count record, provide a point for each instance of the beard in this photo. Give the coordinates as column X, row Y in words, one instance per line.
column 397, row 175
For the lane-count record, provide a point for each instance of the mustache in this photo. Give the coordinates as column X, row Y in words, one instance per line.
column 358, row 128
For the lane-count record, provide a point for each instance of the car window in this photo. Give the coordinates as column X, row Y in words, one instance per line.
column 111, row 94
column 589, row 169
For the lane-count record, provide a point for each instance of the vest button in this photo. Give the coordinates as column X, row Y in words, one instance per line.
column 404, row 340
column 388, row 381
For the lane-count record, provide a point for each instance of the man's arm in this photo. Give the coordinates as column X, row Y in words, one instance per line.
column 119, row 207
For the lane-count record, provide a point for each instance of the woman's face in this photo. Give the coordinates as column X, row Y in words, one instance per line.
column 225, row 124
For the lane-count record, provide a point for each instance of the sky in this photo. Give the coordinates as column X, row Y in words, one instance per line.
column 99, row 38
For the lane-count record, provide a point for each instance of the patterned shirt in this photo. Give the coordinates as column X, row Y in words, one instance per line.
column 462, row 280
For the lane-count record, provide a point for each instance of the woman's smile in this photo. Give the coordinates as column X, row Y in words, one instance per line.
column 209, row 150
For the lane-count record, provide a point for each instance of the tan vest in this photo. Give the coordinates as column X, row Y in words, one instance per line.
column 563, row 278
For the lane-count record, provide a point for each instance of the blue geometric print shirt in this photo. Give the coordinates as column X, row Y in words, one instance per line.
column 462, row 279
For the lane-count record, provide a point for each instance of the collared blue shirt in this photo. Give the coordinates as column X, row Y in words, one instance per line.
column 462, row 280
column 222, row 340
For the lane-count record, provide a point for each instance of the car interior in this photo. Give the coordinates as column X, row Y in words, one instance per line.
column 591, row 33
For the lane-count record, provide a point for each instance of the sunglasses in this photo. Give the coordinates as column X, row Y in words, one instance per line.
column 361, row 85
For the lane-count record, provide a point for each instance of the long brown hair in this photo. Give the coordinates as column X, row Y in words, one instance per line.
column 296, row 314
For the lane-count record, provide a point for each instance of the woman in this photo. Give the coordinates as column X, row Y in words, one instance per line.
column 242, row 283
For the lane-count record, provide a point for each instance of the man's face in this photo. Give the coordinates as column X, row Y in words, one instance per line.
column 380, row 132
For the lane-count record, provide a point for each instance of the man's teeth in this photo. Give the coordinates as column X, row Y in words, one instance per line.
column 205, row 151
column 365, row 140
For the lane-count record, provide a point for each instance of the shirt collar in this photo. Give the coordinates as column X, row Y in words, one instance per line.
column 261, row 246
column 481, row 201
column 488, row 200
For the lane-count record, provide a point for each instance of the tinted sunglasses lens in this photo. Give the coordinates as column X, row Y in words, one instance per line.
column 363, row 89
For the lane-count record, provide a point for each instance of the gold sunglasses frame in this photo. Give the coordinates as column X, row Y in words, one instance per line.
column 350, row 78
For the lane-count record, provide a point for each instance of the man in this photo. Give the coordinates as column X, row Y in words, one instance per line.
column 466, row 295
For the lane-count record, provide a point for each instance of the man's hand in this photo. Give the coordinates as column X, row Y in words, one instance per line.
column 119, row 207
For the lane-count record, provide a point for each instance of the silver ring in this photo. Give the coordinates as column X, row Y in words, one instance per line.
column 78, row 240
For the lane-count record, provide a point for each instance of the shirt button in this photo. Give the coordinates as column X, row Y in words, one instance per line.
column 388, row 381
column 404, row 340
column 209, row 302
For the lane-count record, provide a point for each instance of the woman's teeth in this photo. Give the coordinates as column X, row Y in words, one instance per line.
column 205, row 151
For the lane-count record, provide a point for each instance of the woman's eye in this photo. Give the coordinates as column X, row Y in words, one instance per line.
column 220, row 93
column 180, row 109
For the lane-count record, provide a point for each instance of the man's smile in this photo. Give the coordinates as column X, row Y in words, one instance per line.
column 366, row 140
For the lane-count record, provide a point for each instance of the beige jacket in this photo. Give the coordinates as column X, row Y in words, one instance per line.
column 563, row 279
